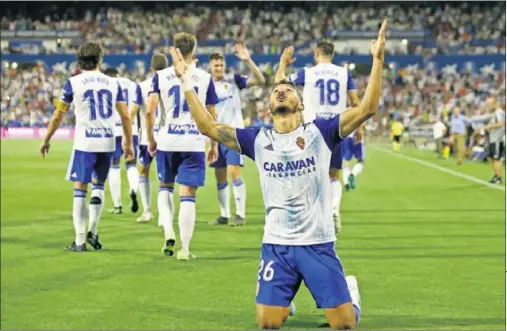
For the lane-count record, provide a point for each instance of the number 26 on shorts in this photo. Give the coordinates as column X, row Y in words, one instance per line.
column 266, row 270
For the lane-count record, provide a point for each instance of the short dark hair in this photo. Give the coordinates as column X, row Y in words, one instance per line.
column 89, row 55
column 111, row 72
column 159, row 61
column 185, row 42
column 327, row 47
column 216, row 56
column 291, row 84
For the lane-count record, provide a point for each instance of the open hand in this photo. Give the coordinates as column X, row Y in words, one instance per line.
column 242, row 52
column 378, row 46
column 179, row 64
column 287, row 57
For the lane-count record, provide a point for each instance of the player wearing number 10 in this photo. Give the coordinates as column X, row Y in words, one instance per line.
column 325, row 92
column 94, row 95
column 180, row 146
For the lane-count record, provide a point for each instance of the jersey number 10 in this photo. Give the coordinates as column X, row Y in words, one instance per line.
column 175, row 90
column 329, row 91
column 101, row 100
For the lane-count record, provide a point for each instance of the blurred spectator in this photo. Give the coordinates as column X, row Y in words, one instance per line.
column 266, row 27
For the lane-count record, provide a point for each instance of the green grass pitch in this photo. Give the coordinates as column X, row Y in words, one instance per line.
column 428, row 249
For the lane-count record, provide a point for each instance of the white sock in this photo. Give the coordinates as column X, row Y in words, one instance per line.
column 96, row 205
column 224, row 199
column 358, row 167
column 78, row 216
column 336, row 195
column 346, row 172
column 165, row 211
column 356, row 298
column 239, row 190
column 132, row 177
column 115, row 185
column 145, row 191
column 186, row 221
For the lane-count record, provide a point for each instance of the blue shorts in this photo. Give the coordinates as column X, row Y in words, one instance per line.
column 118, row 152
column 282, row 268
column 227, row 156
column 144, row 156
column 84, row 166
column 352, row 149
column 187, row 168
column 336, row 157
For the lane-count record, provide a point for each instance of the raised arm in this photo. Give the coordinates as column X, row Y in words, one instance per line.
column 256, row 78
column 204, row 120
column 355, row 116
column 207, row 123
column 285, row 60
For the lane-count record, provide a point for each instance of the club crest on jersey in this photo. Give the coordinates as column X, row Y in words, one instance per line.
column 300, row 142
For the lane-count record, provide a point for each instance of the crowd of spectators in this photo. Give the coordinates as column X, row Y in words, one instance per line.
column 417, row 95
column 268, row 26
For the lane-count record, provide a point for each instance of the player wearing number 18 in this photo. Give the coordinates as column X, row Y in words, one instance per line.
column 180, row 146
column 293, row 162
column 326, row 89
column 94, row 96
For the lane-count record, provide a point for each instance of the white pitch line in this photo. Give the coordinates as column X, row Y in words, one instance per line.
column 442, row 169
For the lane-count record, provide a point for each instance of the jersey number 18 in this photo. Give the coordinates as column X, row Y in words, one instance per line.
column 329, row 91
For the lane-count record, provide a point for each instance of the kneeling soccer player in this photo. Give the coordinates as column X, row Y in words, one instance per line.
column 293, row 161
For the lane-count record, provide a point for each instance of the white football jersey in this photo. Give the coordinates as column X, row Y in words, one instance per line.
column 325, row 90
column 178, row 131
column 294, row 175
column 94, row 96
column 145, row 90
column 228, row 107
column 132, row 95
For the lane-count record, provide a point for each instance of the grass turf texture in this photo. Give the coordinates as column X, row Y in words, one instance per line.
column 428, row 249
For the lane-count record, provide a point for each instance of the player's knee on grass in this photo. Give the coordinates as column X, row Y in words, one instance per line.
column 221, row 175
column 342, row 317
column 271, row 317
column 234, row 171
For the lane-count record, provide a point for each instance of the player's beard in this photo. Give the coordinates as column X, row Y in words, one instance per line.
column 282, row 110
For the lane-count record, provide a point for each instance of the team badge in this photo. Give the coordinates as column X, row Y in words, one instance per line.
column 300, row 142
column 226, row 86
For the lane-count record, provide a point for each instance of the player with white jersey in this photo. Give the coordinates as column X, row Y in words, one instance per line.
column 94, row 95
column 179, row 146
column 326, row 89
column 132, row 94
column 158, row 62
column 293, row 162
column 228, row 88
column 353, row 147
